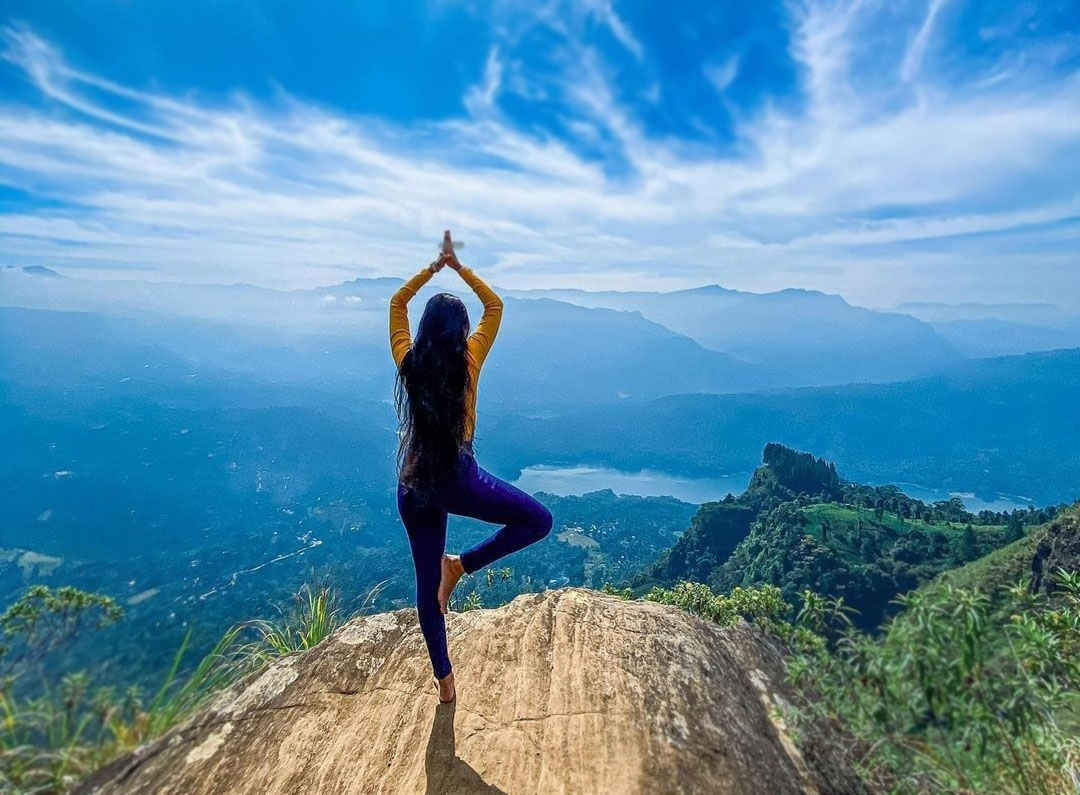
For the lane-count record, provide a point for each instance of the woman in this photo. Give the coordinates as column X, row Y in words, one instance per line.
column 436, row 399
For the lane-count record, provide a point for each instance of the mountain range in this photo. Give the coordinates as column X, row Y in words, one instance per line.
column 787, row 338
column 808, row 337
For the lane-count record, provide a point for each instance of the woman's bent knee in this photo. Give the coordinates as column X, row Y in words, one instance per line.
column 542, row 522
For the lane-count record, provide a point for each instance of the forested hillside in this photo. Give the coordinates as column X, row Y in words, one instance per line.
column 800, row 527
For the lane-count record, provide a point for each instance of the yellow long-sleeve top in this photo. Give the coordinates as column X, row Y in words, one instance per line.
column 477, row 346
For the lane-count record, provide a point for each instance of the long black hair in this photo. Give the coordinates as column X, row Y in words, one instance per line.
column 430, row 395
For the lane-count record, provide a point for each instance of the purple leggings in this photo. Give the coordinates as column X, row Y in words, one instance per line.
column 478, row 494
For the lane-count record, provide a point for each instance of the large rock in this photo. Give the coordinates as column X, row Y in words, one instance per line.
column 1059, row 550
column 569, row 691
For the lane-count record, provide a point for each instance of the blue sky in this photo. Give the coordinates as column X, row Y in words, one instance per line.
column 887, row 151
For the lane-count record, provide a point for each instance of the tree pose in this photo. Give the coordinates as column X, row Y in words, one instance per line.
column 437, row 375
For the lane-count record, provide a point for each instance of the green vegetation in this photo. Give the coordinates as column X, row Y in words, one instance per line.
column 44, row 619
column 974, row 686
column 53, row 735
column 947, row 699
column 800, row 528
column 950, row 698
column 622, row 593
column 476, row 591
column 715, row 532
column 863, row 556
column 996, row 571
column 315, row 613
column 759, row 605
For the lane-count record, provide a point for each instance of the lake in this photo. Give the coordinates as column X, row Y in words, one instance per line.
column 581, row 479
column 578, row 480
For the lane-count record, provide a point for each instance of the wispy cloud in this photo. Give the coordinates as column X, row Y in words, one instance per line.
column 829, row 192
column 722, row 75
column 605, row 12
column 480, row 98
column 914, row 55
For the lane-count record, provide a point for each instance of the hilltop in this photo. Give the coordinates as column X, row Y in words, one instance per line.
column 568, row 691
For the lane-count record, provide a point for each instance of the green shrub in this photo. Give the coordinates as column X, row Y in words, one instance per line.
column 475, row 592
column 472, row 602
column 315, row 614
column 53, row 735
column 761, row 605
column 44, row 619
column 611, row 590
column 949, row 699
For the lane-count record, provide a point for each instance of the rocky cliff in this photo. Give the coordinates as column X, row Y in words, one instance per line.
column 569, row 691
column 1058, row 550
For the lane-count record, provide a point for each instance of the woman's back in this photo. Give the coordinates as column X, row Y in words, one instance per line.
column 478, row 344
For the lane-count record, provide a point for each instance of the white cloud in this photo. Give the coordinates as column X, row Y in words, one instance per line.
column 822, row 41
column 722, row 75
column 915, row 52
column 605, row 13
column 290, row 194
column 480, row 98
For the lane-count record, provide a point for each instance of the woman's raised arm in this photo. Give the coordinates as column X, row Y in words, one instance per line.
column 481, row 340
column 400, row 334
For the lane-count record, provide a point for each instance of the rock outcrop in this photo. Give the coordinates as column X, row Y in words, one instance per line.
column 568, row 691
column 1059, row 550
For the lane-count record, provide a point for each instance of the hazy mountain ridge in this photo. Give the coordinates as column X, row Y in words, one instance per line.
column 987, row 337
column 988, row 425
column 1043, row 314
column 553, row 356
column 810, row 338
column 745, row 341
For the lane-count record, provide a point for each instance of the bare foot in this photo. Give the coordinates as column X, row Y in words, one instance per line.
column 451, row 573
column 445, row 686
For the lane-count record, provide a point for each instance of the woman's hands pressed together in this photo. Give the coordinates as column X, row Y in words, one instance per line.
column 450, row 260
column 447, row 257
column 443, row 261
